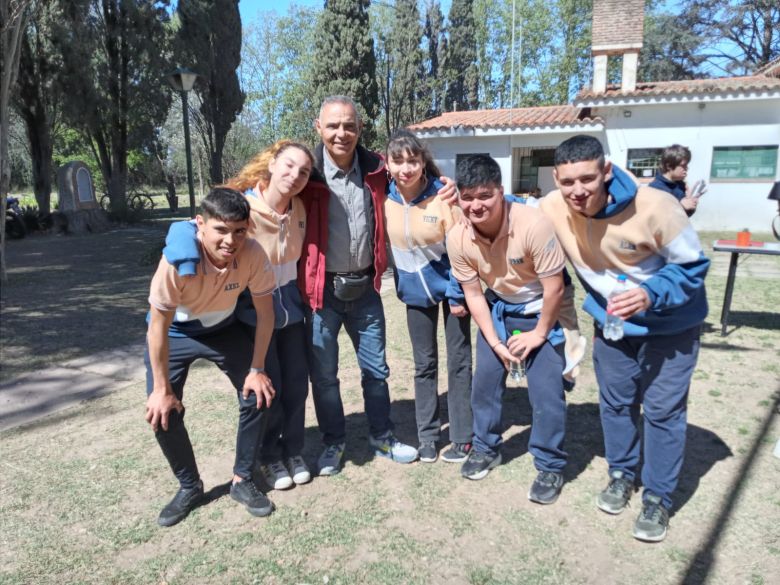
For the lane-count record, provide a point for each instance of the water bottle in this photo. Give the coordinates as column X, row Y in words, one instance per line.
column 516, row 371
column 613, row 325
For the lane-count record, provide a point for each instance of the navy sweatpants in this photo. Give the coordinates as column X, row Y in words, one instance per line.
column 230, row 349
column 654, row 373
column 544, row 371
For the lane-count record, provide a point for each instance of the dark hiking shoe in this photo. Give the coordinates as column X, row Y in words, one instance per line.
column 427, row 452
column 457, row 453
column 614, row 498
column 246, row 492
column 184, row 502
column 653, row 520
column 478, row 465
column 546, row 487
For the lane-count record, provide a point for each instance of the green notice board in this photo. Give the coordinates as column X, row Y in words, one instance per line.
column 744, row 162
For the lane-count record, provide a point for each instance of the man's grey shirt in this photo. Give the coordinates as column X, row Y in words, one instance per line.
column 350, row 218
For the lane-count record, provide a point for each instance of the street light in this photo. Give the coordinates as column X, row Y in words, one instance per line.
column 182, row 81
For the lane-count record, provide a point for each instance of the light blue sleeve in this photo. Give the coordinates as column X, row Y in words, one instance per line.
column 181, row 247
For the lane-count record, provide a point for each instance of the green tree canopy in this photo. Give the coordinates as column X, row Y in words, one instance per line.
column 209, row 42
column 344, row 61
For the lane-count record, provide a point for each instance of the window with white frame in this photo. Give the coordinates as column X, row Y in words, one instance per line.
column 644, row 162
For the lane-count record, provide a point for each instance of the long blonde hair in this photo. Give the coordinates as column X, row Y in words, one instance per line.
column 256, row 170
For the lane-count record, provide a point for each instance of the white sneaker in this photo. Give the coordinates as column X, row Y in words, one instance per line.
column 329, row 462
column 297, row 468
column 276, row 475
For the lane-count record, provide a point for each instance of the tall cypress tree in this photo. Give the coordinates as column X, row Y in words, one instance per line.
column 405, row 37
column 210, row 44
column 344, row 58
column 435, row 44
column 460, row 67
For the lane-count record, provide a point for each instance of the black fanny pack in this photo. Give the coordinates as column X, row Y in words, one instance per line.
column 351, row 286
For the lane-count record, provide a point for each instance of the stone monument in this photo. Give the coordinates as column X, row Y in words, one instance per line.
column 77, row 199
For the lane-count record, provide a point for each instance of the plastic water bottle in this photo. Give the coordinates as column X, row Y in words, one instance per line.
column 516, row 371
column 613, row 325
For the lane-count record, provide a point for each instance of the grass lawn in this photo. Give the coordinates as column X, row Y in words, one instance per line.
column 80, row 490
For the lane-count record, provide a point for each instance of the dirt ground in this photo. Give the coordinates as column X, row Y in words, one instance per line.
column 80, row 490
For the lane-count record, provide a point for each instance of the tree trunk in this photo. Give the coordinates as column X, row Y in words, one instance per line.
column 41, row 148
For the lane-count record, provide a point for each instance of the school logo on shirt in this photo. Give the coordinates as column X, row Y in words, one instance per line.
column 430, row 218
column 232, row 286
column 515, row 260
column 626, row 245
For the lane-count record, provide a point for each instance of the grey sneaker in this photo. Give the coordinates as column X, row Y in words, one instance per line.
column 478, row 465
column 457, row 453
column 391, row 448
column 276, row 475
column 184, row 502
column 614, row 498
column 246, row 492
column 298, row 469
column 546, row 487
column 329, row 462
column 427, row 451
column 653, row 520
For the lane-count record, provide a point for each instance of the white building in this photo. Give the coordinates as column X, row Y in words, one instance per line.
column 731, row 125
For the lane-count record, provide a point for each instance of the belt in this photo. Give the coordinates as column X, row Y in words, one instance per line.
column 363, row 272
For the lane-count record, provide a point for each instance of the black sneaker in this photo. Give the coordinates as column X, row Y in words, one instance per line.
column 653, row 520
column 246, row 492
column 427, row 452
column 546, row 487
column 184, row 502
column 478, row 465
column 614, row 498
column 457, row 453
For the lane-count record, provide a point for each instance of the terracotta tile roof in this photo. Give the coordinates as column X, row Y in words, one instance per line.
column 509, row 118
column 687, row 87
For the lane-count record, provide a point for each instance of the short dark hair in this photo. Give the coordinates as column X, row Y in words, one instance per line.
column 476, row 171
column 673, row 156
column 577, row 149
column 402, row 140
column 225, row 204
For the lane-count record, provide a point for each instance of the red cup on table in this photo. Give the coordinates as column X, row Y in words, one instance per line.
column 743, row 238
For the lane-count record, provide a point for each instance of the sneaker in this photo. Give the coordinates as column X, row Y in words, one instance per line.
column 546, row 487
column 614, row 498
column 276, row 475
column 427, row 451
column 246, row 492
column 457, row 453
column 329, row 462
column 391, row 448
column 298, row 469
column 184, row 502
column 478, row 465
column 653, row 520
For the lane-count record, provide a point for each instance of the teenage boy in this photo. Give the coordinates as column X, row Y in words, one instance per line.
column 512, row 249
column 672, row 174
column 609, row 226
column 191, row 318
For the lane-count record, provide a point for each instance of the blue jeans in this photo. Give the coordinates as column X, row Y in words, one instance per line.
column 364, row 320
column 653, row 372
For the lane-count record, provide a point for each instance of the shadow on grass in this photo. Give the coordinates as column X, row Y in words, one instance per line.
column 755, row 319
column 698, row 570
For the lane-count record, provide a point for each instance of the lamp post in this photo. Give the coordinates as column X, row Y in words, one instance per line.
column 182, row 80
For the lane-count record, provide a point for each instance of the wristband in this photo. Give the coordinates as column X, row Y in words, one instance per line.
column 495, row 345
column 256, row 370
